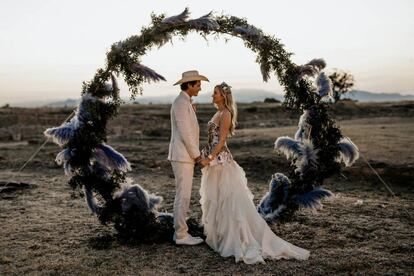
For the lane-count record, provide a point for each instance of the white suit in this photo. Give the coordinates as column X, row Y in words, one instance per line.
column 184, row 148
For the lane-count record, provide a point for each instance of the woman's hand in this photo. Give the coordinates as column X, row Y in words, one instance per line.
column 204, row 162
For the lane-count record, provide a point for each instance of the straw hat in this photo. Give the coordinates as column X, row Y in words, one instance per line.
column 191, row 76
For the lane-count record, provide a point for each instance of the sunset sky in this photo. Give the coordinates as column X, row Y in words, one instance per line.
column 47, row 48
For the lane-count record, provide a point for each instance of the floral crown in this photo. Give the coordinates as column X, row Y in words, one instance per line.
column 225, row 87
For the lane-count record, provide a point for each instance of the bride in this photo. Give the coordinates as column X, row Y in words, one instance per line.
column 232, row 225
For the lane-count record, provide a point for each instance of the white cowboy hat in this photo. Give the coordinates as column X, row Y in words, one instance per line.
column 191, row 76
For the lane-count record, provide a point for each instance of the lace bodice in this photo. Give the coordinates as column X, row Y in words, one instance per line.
column 213, row 140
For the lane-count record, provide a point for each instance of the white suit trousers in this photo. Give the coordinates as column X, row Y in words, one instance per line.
column 183, row 173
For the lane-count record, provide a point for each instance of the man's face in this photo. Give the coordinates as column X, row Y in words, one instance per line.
column 194, row 89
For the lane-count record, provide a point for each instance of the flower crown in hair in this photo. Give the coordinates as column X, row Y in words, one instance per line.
column 225, row 87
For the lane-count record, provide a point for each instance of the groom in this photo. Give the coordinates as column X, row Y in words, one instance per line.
column 184, row 152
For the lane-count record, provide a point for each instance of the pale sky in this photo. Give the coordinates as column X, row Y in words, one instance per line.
column 48, row 47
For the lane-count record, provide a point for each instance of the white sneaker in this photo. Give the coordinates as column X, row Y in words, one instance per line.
column 188, row 240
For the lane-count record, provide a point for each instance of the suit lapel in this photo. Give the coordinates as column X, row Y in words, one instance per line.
column 185, row 97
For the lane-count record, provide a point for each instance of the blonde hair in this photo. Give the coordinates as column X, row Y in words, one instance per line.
column 230, row 104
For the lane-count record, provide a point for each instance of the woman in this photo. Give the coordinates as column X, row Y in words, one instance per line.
column 232, row 225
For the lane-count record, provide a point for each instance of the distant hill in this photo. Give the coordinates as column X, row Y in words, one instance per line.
column 250, row 95
column 45, row 103
column 68, row 102
column 364, row 96
column 241, row 96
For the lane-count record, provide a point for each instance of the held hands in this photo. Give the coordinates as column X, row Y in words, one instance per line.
column 200, row 161
column 204, row 162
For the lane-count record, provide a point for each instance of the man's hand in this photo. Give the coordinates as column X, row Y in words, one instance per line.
column 198, row 159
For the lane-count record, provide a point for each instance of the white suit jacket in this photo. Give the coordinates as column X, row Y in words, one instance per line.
column 185, row 132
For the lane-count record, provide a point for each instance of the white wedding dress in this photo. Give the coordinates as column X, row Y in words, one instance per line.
column 232, row 225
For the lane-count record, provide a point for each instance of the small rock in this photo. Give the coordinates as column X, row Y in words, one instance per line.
column 358, row 202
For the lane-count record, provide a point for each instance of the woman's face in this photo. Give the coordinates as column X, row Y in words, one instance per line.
column 217, row 97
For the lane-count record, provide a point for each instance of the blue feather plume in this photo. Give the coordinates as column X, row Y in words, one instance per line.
column 133, row 195
column 205, row 22
column 303, row 127
column 278, row 193
column 115, row 86
column 82, row 112
column 312, row 68
column 307, row 160
column 348, row 152
column 288, row 146
column 154, row 201
column 108, row 157
column 177, row 19
column 250, row 33
column 146, row 72
column 136, row 196
column 312, row 198
column 63, row 158
column 62, row 134
column 275, row 214
column 324, row 85
column 90, row 199
column 165, row 217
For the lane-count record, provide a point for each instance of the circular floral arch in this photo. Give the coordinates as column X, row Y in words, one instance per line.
column 315, row 152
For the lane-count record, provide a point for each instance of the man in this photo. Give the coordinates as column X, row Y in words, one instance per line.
column 184, row 152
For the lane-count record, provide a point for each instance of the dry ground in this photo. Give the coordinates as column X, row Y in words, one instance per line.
column 361, row 229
